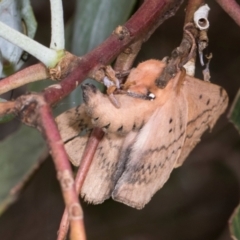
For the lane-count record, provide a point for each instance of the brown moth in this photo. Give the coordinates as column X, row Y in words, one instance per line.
column 152, row 132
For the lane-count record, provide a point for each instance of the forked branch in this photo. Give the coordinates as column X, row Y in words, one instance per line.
column 35, row 112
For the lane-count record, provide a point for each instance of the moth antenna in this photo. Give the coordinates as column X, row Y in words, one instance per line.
column 206, row 71
column 120, row 75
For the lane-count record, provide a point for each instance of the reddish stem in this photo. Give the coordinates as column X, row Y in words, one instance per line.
column 231, row 8
column 191, row 8
column 7, row 108
column 64, row 172
column 31, row 74
column 87, row 158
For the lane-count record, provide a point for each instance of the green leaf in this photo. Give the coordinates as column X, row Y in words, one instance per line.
column 234, row 114
column 94, row 21
column 234, row 224
column 20, row 153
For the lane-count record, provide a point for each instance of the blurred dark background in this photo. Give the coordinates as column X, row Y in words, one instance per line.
column 200, row 196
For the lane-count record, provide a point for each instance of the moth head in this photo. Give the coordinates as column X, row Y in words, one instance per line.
column 141, row 80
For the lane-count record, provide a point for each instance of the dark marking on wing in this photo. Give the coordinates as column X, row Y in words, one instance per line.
column 198, row 128
column 138, row 173
column 163, row 147
column 207, row 110
column 200, row 96
column 170, row 120
column 108, row 165
column 170, row 130
column 201, row 115
column 208, row 101
column 121, row 164
column 120, row 129
column 141, row 126
column 107, row 126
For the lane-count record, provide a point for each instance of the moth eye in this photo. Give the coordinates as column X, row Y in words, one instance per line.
column 151, row 96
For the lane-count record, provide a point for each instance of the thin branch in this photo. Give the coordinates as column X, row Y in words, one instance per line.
column 192, row 7
column 64, row 172
column 47, row 56
column 86, row 161
column 57, row 23
column 31, row 74
column 34, row 111
column 232, row 8
column 187, row 48
column 126, row 58
column 7, row 108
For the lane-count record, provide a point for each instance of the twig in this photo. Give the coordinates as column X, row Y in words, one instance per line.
column 126, row 58
column 231, row 8
column 34, row 111
column 57, row 23
column 192, row 6
column 7, row 108
column 86, row 161
column 182, row 54
column 32, row 74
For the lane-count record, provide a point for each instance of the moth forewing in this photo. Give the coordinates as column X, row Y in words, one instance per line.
column 99, row 183
column 206, row 102
column 75, row 148
column 71, row 124
column 154, row 153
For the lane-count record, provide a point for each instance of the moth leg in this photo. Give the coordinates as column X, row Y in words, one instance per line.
column 112, row 83
column 206, row 71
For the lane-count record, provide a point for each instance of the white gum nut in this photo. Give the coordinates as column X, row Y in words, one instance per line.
column 201, row 17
